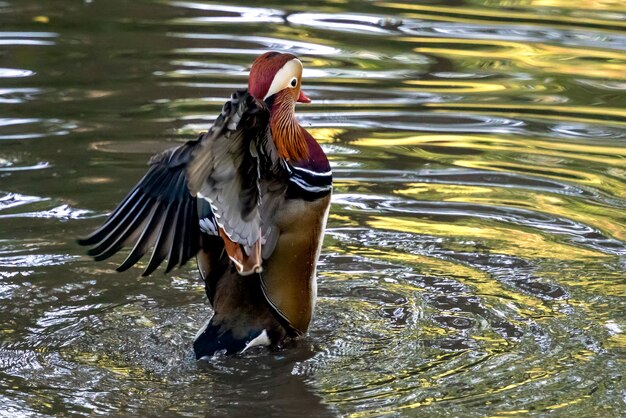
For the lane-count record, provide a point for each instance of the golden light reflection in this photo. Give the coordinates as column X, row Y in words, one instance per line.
column 541, row 110
column 318, row 62
column 41, row 19
column 587, row 62
column 611, row 186
column 510, row 149
column 342, row 220
column 617, row 341
column 95, row 180
column 568, row 403
column 556, row 117
column 486, row 287
column 464, row 366
column 354, row 185
column 611, row 155
column 511, row 413
column 600, row 5
column 429, row 332
column 524, row 49
column 589, row 282
column 106, row 362
column 418, row 190
column 601, row 217
column 476, row 15
column 454, row 86
column 530, row 378
column 503, row 240
column 326, row 135
column 493, row 343
column 346, row 80
column 583, row 355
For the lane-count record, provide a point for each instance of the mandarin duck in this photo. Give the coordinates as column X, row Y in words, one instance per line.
column 249, row 199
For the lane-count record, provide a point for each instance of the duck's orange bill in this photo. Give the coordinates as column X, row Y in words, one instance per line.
column 303, row 98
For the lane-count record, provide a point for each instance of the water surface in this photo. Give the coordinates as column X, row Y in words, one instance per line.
column 474, row 263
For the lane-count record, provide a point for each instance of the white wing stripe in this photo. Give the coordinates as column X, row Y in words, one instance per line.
column 306, row 186
column 313, row 173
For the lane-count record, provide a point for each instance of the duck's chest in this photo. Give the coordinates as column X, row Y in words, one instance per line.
column 289, row 274
column 302, row 216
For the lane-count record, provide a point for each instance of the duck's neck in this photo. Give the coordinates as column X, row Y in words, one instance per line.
column 287, row 133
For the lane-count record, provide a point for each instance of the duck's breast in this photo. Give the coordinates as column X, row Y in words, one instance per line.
column 289, row 275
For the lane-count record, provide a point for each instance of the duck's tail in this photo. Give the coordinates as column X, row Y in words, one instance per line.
column 217, row 335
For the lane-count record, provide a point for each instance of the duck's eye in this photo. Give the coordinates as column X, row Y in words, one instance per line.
column 294, row 82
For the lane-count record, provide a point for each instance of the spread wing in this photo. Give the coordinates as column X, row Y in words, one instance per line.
column 227, row 183
column 237, row 170
column 159, row 213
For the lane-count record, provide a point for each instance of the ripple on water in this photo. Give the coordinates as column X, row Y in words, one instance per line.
column 15, row 73
column 262, row 43
column 27, row 38
column 9, row 202
column 481, row 332
column 218, row 13
column 512, row 33
column 475, row 249
column 363, row 24
column 450, row 212
column 33, row 128
column 18, row 95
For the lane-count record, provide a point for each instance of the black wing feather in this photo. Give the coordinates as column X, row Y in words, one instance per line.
column 164, row 240
column 174, row 251
column 113, row 222
column 147, row 237
column 158, row 214
column 121, row 233
column 191, row 236
column 222, row 171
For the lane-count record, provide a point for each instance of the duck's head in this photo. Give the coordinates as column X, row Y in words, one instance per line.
column 276, row 77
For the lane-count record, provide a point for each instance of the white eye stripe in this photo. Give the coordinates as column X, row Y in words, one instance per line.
column 292, row 69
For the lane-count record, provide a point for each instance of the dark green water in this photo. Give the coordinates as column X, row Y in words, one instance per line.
column 474, row 263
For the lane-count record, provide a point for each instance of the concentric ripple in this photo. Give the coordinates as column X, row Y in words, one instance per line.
column 475, row 256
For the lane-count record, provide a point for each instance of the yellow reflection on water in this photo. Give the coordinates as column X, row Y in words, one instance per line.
column 503, row 239
column 475, row 15
column 611, row 155
column 492, row 291
column 613, row 5
column 602, row 217
column 342, row 220
column 522, row 111
column 568, row 403
column 617, row 341
column 454, row 86
column 612, row 186
column 106, row 362
column 587, row 279
column 425, row 190
column 493, row 343
column 325, row 135
column 576, row 113
column 586, row 62
column 529, row 378
column 572, row 162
